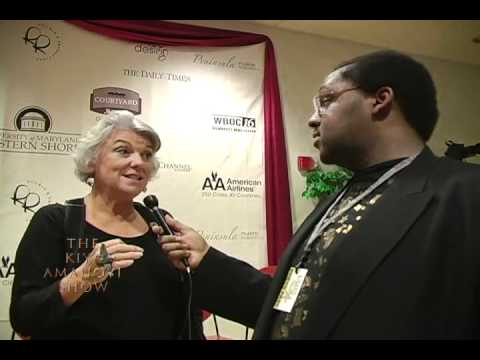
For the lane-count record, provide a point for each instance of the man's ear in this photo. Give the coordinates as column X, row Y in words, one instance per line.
column 383, row 102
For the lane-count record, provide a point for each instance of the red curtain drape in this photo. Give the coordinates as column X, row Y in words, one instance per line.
column 278, row 211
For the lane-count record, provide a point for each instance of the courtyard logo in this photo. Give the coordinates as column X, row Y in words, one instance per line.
column 114, row 98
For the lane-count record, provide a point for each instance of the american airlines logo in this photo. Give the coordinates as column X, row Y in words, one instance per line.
column 7, row 267
column 234, row 123
column 216, row 186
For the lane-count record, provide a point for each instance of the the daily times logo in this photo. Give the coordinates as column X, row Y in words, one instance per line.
column 217, row 186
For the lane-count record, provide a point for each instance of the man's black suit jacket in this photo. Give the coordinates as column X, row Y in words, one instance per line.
column 413, row 272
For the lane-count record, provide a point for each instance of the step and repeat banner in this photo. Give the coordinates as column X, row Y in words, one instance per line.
column 56, row 81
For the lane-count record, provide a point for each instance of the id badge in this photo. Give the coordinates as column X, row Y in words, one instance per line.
column 290, row 289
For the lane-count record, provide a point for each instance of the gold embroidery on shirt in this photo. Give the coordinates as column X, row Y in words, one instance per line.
column 357, row 207
column 343, row 219
column 347, row 229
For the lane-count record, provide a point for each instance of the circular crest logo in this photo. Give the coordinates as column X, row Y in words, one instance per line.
column 43, row 40
column 33, row 118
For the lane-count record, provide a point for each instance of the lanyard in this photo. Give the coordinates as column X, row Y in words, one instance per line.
column 326, row 220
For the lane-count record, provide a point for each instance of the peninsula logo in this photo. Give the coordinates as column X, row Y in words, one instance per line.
column 233, row 235
column 32, row 134
column 44, row 41
column 216, row 186
column 114, row 98
column 158, row 51
column 225, row 63
column 234, row 123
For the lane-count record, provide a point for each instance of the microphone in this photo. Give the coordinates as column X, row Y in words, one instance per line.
column 151, row 202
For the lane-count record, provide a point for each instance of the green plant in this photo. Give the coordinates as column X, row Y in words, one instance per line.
column 320, row 183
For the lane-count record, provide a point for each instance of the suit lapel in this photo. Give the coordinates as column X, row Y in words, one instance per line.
column 353, row 262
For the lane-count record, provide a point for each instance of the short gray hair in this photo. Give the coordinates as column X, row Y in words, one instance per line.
column 90, row 144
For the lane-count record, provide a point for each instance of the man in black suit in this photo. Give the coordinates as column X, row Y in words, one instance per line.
column 394, row 255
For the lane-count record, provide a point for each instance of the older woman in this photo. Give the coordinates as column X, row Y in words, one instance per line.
column 92, row 268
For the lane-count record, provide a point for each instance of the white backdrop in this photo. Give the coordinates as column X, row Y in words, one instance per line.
column 206, row 104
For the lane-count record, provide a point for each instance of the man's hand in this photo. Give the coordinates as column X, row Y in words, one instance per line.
column 185, row 244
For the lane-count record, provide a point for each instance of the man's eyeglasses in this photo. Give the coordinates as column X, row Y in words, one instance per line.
column 321, row 102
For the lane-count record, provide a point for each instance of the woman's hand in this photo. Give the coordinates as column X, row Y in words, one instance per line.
column 92, row 271
column 122, row 255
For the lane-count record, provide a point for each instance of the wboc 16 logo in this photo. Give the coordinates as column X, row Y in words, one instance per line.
column 235, row 124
